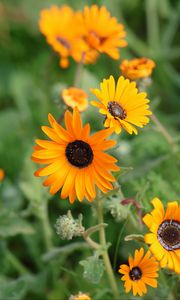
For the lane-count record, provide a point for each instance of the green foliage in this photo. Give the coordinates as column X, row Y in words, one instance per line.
column 35, row 263
column 12, row 224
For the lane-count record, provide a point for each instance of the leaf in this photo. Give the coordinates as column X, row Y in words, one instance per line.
column 12, row 224
column 13, row 290
column 93, row 269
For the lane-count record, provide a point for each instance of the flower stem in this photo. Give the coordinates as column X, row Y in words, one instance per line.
column 105, row 255
column 46, row 228
column 78, row 74
column 163, row 130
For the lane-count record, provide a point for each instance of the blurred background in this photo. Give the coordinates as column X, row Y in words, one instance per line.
column 35, row 263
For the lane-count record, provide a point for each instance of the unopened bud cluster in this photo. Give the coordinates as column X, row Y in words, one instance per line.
column 67, row 227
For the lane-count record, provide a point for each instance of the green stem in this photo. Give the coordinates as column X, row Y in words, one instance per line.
column 164, row 132
column 15, row 262
column 46, row 229
column 78, row 74
column 152, row 23
column 105, row 255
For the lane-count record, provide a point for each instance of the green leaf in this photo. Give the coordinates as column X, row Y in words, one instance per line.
column 13, row 290
column 12, row 224
column 93, row 269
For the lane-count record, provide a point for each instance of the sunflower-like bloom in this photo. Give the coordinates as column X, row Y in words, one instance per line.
column 76, row 161
column 101, row 31
column 63, row 33
column 80, row 296
column 122, row 105
column 164, row 238
column 137, row 68
column 75, row 97
column 1, row 174
column 141, row 271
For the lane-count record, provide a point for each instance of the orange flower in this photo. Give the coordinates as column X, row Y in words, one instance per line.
column 80, row 296
column 75, row 97
column 137, row 68
column 75, row 161
column 62, row 32
column 102, row 32
column 122, row 105
column 141, row 271
column 1, row 174
column 164, row 236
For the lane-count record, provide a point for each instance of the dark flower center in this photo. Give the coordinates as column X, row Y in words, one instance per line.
column 63, row 42
column 135, row 273
column 116, row 110
column 79, row 154
column 169, row 235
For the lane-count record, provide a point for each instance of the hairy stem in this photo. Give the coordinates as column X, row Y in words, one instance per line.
column 105, row 255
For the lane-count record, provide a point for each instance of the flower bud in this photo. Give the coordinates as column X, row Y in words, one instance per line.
column 67, row 227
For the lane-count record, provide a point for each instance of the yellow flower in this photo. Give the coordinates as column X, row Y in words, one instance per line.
column 80, row 296
column 141, row 271
column 1, row 174
column 101, row 31
column 137, row 68
column 122, row 105
column 164, row 238
column 76, row 161
column 75, row 97
column 63, row 33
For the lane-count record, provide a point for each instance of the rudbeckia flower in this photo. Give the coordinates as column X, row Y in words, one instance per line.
column 164, row 239
column 63, row 33
column 101, row 31
column 137, row 68
column 1, row 174
column 122, row 105
column 76, row 161
column 75, row 97
column 141, row 271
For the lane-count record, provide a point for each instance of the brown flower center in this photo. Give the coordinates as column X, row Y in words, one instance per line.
column 135, row 273
column 63, row 42
column 169, row 235
column 79, row 154
column 116, row 110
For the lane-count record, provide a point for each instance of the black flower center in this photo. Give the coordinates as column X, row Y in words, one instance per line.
column 169, row 235
column 79, row 154
column 116, row 110
column 135, row 273
column 63, row 42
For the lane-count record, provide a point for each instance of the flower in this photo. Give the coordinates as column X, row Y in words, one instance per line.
column 80, row 296
column 137, row 68
column 76, row 161
column 141, row 271
column 75, row 97
column 164, row 238
column 101, row 31
column 1, row 174
column 62, row 32
column 122, row 105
